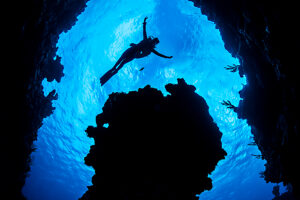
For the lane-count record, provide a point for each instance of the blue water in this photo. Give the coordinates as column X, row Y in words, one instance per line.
column 92, row 46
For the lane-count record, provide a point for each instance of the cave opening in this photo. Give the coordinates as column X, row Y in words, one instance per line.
column 103, row 31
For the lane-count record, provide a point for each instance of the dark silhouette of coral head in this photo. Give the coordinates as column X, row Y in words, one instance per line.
column 155, row 147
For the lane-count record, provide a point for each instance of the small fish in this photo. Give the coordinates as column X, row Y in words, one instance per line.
column 142, row 69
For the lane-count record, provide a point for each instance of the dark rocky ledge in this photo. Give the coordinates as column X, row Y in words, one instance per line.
column 31, row 29
column 261, row 35
column 154, row 147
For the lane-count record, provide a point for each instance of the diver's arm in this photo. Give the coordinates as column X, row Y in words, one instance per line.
column 144, row 29
column 161, row 55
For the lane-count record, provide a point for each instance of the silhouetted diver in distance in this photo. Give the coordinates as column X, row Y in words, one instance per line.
column 140, row 50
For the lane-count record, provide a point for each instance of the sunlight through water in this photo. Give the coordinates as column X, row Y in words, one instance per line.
column 102, row 33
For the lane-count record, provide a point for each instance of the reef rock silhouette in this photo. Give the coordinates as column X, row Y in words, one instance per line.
column 148, row 146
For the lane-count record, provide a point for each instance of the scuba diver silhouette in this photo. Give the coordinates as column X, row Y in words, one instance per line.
column 140, row 50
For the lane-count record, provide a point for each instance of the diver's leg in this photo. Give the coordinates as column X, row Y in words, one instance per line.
column 123, row 63
column 107, row 76
column 119, row 67
column 109, row 73
column 126, row 57
column 118, row 62
column 123, row 57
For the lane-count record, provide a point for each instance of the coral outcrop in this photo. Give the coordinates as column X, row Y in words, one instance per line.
column 148, row 146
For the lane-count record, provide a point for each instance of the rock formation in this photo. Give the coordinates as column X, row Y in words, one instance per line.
column 154, row 147
column 261, row 35
column 31, row 30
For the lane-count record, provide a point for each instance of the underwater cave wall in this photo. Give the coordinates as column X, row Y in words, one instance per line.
column 31, row 32
column 261, row 35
